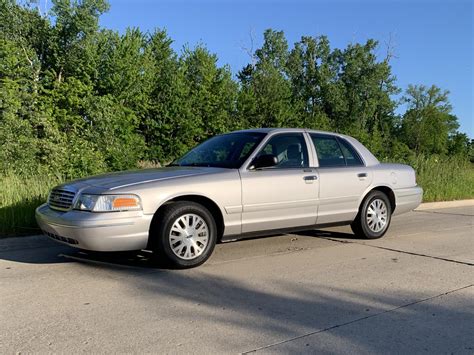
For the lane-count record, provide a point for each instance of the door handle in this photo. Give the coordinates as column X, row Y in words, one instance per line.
column 310, row 178
column 362, row 176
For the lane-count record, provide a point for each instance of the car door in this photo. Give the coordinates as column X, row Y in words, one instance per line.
column 284, row 195
column 343, row 178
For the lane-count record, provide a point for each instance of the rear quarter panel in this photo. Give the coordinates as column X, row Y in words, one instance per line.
column 401, row 179
column 396, row 176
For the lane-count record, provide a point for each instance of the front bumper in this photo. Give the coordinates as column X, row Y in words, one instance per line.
column 407, row 199
column 112, row 231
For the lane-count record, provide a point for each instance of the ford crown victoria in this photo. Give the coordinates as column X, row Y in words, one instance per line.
column 235, row 185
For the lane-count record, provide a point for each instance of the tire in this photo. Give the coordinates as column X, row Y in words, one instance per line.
column 185, row 235
column 374, row 216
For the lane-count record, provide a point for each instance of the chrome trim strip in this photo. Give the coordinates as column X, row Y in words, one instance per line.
column 280, row 205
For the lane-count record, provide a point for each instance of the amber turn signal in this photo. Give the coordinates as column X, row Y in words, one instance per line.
column 124, row 202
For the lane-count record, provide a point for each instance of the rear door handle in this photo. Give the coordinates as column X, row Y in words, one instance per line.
column 362, row 176
column 309, row 179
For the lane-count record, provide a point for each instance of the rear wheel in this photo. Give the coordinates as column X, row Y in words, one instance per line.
column 374, row 216
column 185, row 235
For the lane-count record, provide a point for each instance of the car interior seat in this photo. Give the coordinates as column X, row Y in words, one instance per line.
column 294, row 156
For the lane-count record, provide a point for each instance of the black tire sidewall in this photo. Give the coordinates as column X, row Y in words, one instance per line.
column 363, row 226
column 173, row 212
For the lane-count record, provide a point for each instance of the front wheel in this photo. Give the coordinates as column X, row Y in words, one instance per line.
column 185, row 235
column 374, row 216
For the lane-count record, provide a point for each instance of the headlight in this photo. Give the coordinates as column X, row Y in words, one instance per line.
column 108, row 203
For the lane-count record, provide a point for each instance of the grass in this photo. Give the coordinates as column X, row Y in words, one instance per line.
column 441, row 179
column 19, row 198
column 444, row 179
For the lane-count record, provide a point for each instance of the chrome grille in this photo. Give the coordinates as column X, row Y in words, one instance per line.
column 60, row 199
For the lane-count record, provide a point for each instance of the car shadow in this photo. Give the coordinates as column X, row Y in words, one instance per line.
column 322, row 233
column 136, row 259
column 42, row 250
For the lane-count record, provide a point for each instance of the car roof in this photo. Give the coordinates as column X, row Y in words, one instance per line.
column 268, row 130
column 367, row 156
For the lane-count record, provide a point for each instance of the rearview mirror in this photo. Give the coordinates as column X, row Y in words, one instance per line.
column 264, row 161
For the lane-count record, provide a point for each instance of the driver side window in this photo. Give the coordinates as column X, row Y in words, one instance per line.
column 289, row 149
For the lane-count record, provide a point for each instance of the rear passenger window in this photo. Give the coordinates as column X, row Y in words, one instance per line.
column 328, row 150
column 352, row 158
column 334, row 151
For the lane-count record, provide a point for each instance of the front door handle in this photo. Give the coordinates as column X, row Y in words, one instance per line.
column 310, row 178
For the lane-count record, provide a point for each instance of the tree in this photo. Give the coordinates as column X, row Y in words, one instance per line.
column 312, row 78
column 361, row 102
column 72, row 50
column 265, row 97
column 165, row 122
column 77, row 99
column 459, row 144
column 113, row 129
column 19, row 144
column 428, row 123
column 210, row 93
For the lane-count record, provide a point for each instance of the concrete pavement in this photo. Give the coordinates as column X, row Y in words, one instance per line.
column 315, row 292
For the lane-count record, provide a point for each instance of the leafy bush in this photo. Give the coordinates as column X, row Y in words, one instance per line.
column 76, row 100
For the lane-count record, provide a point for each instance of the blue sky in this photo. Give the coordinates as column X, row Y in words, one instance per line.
column 432, row 40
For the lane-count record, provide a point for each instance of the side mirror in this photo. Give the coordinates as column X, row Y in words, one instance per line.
column 264, row 161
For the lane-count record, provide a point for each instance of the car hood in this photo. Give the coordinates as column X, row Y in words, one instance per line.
column 112, row 181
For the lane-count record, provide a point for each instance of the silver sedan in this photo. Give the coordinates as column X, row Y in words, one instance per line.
column 245, row 183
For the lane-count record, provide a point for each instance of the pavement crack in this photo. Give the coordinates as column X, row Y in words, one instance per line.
column 245, row 258
column 356, row 320
column 402, row 251
column 447, row 213
column 423, row 255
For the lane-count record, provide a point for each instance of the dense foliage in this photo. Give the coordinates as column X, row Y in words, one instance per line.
column 77, row 99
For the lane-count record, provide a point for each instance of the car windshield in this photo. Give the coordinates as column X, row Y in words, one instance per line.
column 224, row 151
